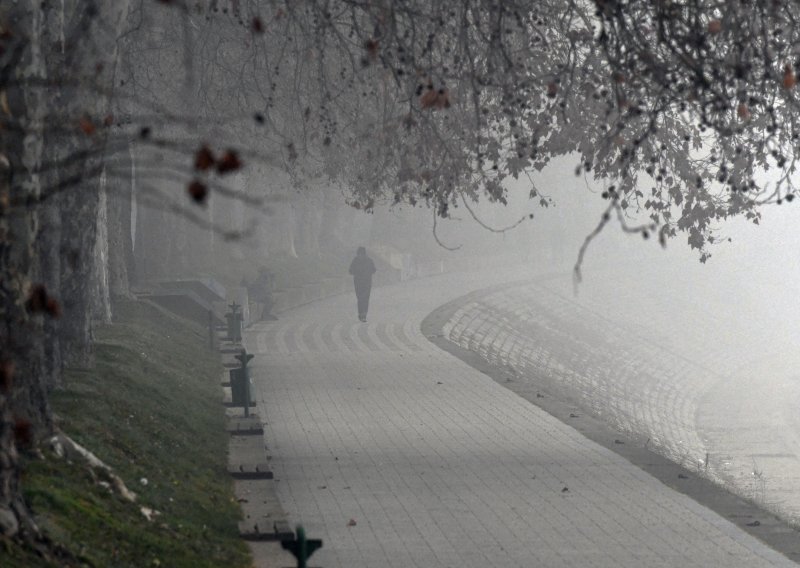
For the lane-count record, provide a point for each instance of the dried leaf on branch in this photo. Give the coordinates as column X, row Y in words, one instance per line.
column 229, row 162
column 198, row 191
column 436, row 99
column 204, row 159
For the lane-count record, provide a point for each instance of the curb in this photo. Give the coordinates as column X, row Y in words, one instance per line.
column 264, row 523
column 746, row 515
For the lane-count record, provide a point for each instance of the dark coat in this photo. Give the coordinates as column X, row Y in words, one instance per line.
column 362, row 268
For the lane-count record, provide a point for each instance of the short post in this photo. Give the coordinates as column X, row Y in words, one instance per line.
column 302, row 548
column 244, row 376
column 234, row 320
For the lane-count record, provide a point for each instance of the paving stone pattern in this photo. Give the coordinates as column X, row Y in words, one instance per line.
column 637, row 385
column 396, row 453
column 710, row 387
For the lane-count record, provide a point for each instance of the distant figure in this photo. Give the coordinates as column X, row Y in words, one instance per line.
column 261, row 291
column 362, row 268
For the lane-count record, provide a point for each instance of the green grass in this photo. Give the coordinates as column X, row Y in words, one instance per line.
column 150, row 409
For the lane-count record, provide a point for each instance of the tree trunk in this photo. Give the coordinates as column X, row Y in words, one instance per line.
column 48, row 273
column 330, row 233
column 23, row 399
column 78, row 234
column 33, row 86
column 101, row 296
column 93, row 29
column 120, row 243
column 290, row 229
column 309, row 224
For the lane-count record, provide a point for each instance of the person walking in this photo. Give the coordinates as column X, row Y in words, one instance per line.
column 362, row 268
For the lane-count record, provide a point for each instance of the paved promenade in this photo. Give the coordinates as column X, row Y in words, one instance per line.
column 398, row 454
column 710, row 381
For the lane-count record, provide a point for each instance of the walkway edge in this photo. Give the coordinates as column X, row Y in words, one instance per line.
column 745, row 514
column 264, row 522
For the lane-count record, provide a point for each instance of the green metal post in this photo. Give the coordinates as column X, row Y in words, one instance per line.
column 244, row 358
column 234, row 319
column 302, row 548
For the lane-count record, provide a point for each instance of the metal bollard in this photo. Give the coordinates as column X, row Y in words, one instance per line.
column 234, row 320
column 240, row 383
column 302, row 548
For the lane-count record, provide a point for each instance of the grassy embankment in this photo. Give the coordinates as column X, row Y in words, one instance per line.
column 151, row 410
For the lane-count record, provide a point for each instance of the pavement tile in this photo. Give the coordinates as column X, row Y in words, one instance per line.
column 440, row 465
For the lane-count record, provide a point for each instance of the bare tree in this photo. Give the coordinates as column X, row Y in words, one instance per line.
column 56, row 71
column 684, row 110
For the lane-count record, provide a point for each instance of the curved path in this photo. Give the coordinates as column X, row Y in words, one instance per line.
column 628, row 378
column 708, row 388
column 398, row 454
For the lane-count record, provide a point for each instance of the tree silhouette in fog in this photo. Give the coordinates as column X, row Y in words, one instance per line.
column 685, row 111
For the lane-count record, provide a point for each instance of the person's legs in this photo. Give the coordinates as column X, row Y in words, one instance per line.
column 362, row 312
column 361, row 309
column 366, row 301
column 362, row 295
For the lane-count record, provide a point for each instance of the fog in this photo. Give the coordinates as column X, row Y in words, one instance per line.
column 729, row 322
column 478, row 283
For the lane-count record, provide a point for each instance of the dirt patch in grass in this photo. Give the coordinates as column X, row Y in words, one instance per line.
column 150, row 409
